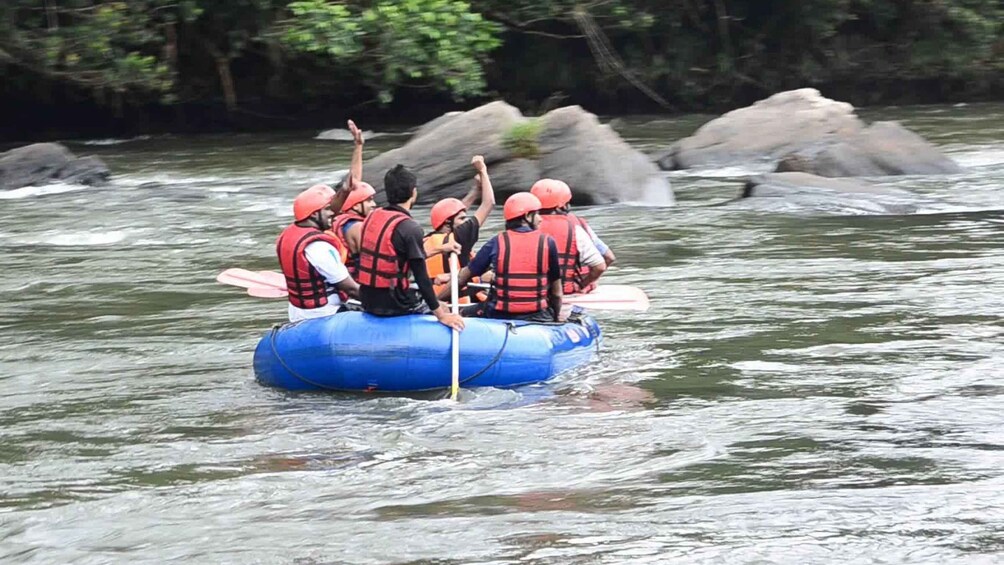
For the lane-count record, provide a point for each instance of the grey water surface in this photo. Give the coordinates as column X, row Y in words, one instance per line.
column 809, row 386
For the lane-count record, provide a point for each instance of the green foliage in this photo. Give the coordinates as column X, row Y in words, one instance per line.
column 523, row 139
column 102, row 45
column 438, row 44
column 693, row 52
column 120, row 45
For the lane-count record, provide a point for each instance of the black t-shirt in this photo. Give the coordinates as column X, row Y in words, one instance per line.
column 407, row 241
column 467, row 234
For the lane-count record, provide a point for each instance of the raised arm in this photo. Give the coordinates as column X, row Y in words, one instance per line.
column 472, row 195
column 487, row 192
column 356, row 168
column 341, row 194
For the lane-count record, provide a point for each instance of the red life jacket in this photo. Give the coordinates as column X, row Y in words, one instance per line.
column 520, row 285
column 379, row 265
column 338, row 230
column 307, row 288
column 562, row 229
column 583, row 269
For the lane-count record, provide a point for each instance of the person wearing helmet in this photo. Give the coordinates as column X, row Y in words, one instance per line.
column 348, row 224
column 527, row 283
column 451, row 226
column 311, row 260
column 582, row 263
column 391, row 255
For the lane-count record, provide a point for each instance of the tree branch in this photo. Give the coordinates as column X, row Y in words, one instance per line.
column 522, row 27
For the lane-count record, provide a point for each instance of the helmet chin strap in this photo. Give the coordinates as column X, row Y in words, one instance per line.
column 318, row 220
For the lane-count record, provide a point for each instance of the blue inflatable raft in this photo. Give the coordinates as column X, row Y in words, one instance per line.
column 353, row 351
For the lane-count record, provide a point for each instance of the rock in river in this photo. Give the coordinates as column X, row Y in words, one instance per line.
column 43, row 163
column 803, row 191
column 569, row 144
column 809, row 133
column 883, row 148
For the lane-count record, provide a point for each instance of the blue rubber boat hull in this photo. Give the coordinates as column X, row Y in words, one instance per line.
column 354, row 351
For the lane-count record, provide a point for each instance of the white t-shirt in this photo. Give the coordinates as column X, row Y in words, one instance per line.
column 589, row 255
column 324, row 257
column 600, row 246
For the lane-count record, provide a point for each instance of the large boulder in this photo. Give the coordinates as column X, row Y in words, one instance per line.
column 883, row 148
column 43, row 163
column 808, row 133
column 784, row 123
column 573, row 146
column 599, row 166
column 440, row 121
column 441, row 156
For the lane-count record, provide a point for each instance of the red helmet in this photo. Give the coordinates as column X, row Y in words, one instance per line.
column 361, row 192
column 552, row 193
column 311, row 200
column 444, row 210
column 519, row 204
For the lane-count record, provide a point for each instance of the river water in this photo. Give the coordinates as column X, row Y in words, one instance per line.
column 807, row 387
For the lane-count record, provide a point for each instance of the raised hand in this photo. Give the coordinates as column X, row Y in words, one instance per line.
column 479, row 164
column 357, row 134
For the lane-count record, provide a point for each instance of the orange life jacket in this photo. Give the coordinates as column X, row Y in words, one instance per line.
column 520, row 285
column 562, row 228
column 440, row 263
column 338, row 230
column 306, row 286
column 379, row 266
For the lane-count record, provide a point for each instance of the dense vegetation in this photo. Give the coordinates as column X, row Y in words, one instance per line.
column 266, row 62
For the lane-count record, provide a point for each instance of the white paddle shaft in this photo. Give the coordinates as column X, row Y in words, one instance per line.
column 455, row 342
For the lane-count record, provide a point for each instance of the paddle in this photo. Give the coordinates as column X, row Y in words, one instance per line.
column 247, row 279
column 455, row 341
column 611, row 297
column 605, row 297
column 267, row 292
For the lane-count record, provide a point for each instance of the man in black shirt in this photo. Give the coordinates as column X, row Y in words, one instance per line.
column 452, row 225
column 391, row 254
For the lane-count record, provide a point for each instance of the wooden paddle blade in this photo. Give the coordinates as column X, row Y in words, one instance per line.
column 246, row 279
column 611, row 297
column 267, row 292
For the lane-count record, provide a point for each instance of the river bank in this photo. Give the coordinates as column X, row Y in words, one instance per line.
column 76, row 116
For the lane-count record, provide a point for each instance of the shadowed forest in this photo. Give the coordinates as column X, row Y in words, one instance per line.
column 84, row 67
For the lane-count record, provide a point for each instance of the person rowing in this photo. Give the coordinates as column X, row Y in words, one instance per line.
column 581, row 262
column 452, row 225
column 391, row 255
column 527, row 283
column 313, row 261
